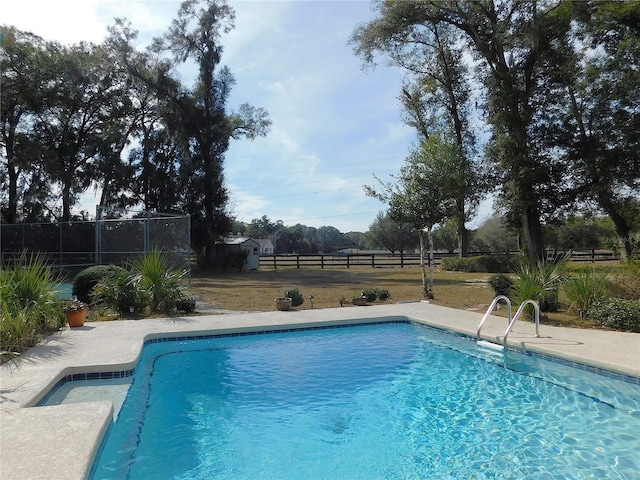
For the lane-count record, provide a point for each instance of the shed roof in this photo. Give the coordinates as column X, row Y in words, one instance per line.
column 238, row 240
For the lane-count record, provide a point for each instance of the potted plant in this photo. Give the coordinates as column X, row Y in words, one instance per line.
column 361, row 300
column 283, row 303
column 76, row 312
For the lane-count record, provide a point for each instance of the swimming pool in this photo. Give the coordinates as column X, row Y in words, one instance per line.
column 395, row 400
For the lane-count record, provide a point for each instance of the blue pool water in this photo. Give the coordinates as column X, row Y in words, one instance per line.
column 64, row 290
column 389, row 401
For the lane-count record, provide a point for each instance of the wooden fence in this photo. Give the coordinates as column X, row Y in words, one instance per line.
column 382, row 259
column 373, row 260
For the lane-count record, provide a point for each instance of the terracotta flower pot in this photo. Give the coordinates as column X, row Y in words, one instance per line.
column 283, row 304
column 77, row 318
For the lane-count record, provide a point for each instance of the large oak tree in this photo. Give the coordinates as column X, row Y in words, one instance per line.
column 508, row 41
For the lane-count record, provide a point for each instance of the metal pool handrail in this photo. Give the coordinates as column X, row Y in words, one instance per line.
column 536, row 309
column 490, row 309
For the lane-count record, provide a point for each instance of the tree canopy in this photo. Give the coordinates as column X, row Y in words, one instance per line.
column 549, row 76
column 69, row 112
column 422, row 195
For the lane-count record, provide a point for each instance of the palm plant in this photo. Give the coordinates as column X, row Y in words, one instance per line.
column 585, row 290
column 121, row 291
column 162, row 282
column 30, row 307
column 540, row 281
column 149, row 282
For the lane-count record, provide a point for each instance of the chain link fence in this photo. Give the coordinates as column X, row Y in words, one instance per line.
column 116, row 237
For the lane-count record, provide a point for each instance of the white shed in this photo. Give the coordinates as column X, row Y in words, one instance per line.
column 266, row 247
column 236, row 245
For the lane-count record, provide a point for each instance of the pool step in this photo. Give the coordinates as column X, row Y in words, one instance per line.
column 488, row 344
column 490, row 349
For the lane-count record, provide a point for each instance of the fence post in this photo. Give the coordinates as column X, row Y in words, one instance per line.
column 298, row 261
column 98, row 235
column 401, row 259
column 275, row 263
column 59, row 245
column 145, row 230
column 322, row 260
column 373, row 261
column 348, row 260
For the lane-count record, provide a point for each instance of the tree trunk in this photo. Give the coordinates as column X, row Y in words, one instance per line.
column 533, row 233
column 105, row 196
column 426, row 288
column 66, row 201
column 11, row 214
column 623, row 231
column 431, row 263
column 463, row 240
column 422, row 268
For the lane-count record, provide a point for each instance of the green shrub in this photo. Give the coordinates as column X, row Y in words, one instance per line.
column 162, row 282
column 187, row 305
column 618, row 314
column 88, row 278
column 371, row 294
column 234, row 260
column 29, row 307
column 122, row 292
column 626, row 284
column 584, row 291
column 482, row 263
column 497, row 263
column 19, row 330
column 459, row 264
column 384, row 294
column 295, row 296
column 540, row 281
column 150, row 283
column 502, row 284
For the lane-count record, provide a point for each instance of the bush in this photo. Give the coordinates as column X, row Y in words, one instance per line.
column 540, row 281
column 384, row 294
column 150, row 283
column 371, row 294
column 88, row 278
column 187, row 305
column 295, row 296
column 160, row 280
column 584, row 291
column 122, row 292
column 502, row 285
column 626, row 284
column 458, row 264
column 234, row 260
column 29, row 307
column 481, row 263
column 618, row 314
column 498, row 263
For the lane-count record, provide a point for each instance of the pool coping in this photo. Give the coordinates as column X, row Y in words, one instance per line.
column 31, row 438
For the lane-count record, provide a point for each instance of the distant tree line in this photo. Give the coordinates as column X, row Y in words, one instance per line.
column 300, row 238
column 494, row 235
column 111, row 117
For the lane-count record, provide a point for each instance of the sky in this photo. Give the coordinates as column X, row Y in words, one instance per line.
column 335, row 123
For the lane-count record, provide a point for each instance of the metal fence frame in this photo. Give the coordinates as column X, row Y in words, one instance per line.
column 116, row 236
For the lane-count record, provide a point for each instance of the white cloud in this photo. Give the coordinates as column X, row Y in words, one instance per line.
column 52, row 20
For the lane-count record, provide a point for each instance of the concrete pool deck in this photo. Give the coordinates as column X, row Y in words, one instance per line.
column 56, row 442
